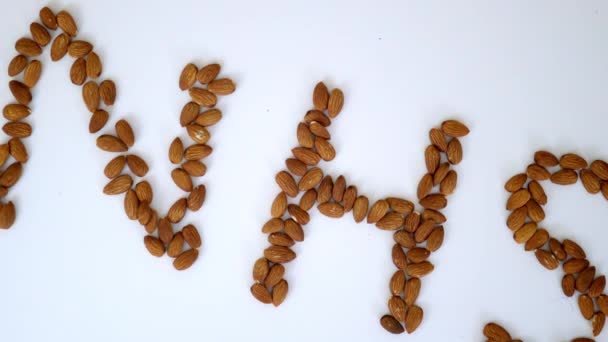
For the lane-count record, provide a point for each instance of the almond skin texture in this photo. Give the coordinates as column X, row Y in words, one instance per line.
column 14, row 112
column 432, row 158
column 545, row 159
column 335, row 103
column 287, row 183
column 279, row 205
column 209, row 117
column 305, row 136
column 107, row 92
column 392, row 325
column 144, row 191
column 48, row 18
column 93, row 66
column 518, row 199
column 118, row 185
column 196, row 199
column 125, row 132
column 310, row 179
column 111, row 143
column 176, row 151
column 20, row 92
column 279, row 254
column 28, row 47
column 413, row 319
column 546, row 259
column 260, row 270
column 273, row 225
column 377, row 211
column 419, row 270
column 438, row 139
column 177, row 211
column 586, row 306
column 182, row 179
column 222, row 86
column 573, row 249
column 397, row 283
column 115, row 167
column 516, row 182
column 137, row 165
column 154, row 246
column 454, row 128
column 568, row 282
column 90, row 95
column 320, row 96
column 564, row 177
column 495, row 332
column 317, row 116
column 279, row 292
column 325, row 149
column 397, row 308
column 18, row 150
column 7, row 215
column 600, row 169
column 298, row 214
column 59, row 48
column 191, row 236
column 274, row 275
column 331, row 209
column 176, row 245
column 17, row 129
column 188, row 76
column 66, row 23
column 454, row 151
column 591, row 182
column 572, row 161
column 261, row 293
column 185, row 260
column 412, row 290
column 308, row 200
column 390, row 221
column 208, row 73
column 32, row 73
column 203, row 97
column 78, row 71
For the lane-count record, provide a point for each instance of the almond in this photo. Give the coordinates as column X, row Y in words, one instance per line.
column 279, row 205
column 17, row 129
column 597, row 287
column 298, row 214
column 425, row 186
column 535, row 211
column 546, row 259
column 197, row 198
column 177, row 211
column 114, row 167
column 495, row 332
column 360, row 208
column 597, row 322
column 182, row 179
column 564, row 177
column 261, row 293
column 448, row 184
column 325, row 190
column 305, row 155
column 600, row 169
column 331, row 209
column 335, row 103
column 412, row 289
column 197, row 152
column 111, row 143
column 537, row 172
column 144, row 191
column 320, row 96
column 280, row 239
column 337, row 193
column 454, row 128
column 584, row 280
column 165, row 230
column 279, row 292
column 591, row 182
column 412, row 221
column 90, row 95
column 434, row 201
column 209, row 117
column 118, row 185
column 305, row 136
column 537, row 192
column 397, row 307
column 79, row 48
column 195, row 168
column 125, row 132
column 517, row 218
column 14, row 112
column 400, row 205
column 440, row 173
column 397, row 283
column 390, row 324
column 573, row 266
column 602, row 303
column 20, row 92
column 176, row 151
column 423, row 231
column 154, row 246
column 545, row 159
column 319, row 130
column 11, row 175
column 59, row 48
column 131, row 204
column 208, row 73
column 399, row 258
column 275, row 275
column 185, row 260
column 93, row 65
column 176, row 246
column 418, row 254
column 66, row 23
column 435, row 239
column 404, row 238
column 7, row 215
column 377, row 211
column 317, row 116
column 295, row 166
column 222, row 86
column 188, row 76
column 390, row 221
column 432, row 158
column 191, row 236
column 28, row 47
column 107, row 92
column 350, row 195
column 568, row 282
column 40, row 34
column 433, row 215
column 413, row 319
column 310, row 179
column 516, row 182
column 260, row 270
column 438, row 139
column 78, row 71
column 518, row 199
column 279, row 254
column 137, row 165
column 572, row 161
column 18, row 150
column 454, row 151
column 420, row 269
column 273, row 225
column 573, row 249
column 48, row 18
column 189, row 113
column 203, row 97
column 151, row 225
column 308, row 200
column 287, row 183
column 198, row 133
column 524, row 233
column 144, row 213
column 585, row 305
column 32, row 73
column 325, row 149
column 538, row 240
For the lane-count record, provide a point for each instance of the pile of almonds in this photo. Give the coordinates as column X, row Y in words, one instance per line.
column 416, row 234
column 98, row 96
column 526, row 205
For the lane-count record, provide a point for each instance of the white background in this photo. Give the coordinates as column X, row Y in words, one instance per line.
column 522, row 75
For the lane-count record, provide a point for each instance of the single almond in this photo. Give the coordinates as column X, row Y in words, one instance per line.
column 165, row 230
column 197, row 198
column 411, row 291
column 597, row 322
column 600, row 169
column 319, row 130
column 107, row 92
column 305, row 136
column 11, row 175
column 325, row 189
column 423, row 231
column 260, row 270
column 279, row 254
column 125, row 132
column 425, row 186
column 568, row 282
column 397, row 307
column 32, row 73
column 337, row 192
column 17, row 129
column 307, row 201
column 495, row 332
column 377, row 211
column 98, row 120
column 564, row 177
column 79, row 48
column 279, row 205
column 584, row 279
column 20, row 92
column 90, row 95
column 192, row 236
column 118, row 185
column 433, row 215
column 435, row 239
column 279, row 292
column 390, row 221
column 296, row 166
column 66, row 23
column 78, row 71
column 17, row 65
column 197, row 152
column 454, row 128
column 185, row 260
column 198, row 133
column 144, row 191
column 182, row 179
column 546, row 259
column 176, row 246
column 434, row 201
column 189, row 113
column 7, row 215
column 360, row 208
column 572, row 161
column 177, row 211
column 516, row 182
column 350, row 195
column 518, row 199
column 573, row 249
column 306, row 155
column 404, row 238
column 331, row 209
column 335, row 103
column 438, row 139
column 325, row 149
column 454, row 151
column 413, row 319
column 208, row 73
column 209, row 117
column 14, row 112
column 317, row 116
column 111, row 143
column 137, row 165
column 586, row 306
column 222, row 86
column 391, row 324
column 115, row 167
column 59, row 47
column 280, row 239
column 48, row 18
column 432, row 158
column 176, row 151
column 320, row 96
column 591, row 182
column 275, row 274
column 399, row 258
column 537, row 172
column 203, row 97
column 538, row 240
column 597, row 287
column 545, row 159
column 154, row 245
column 411, row 222
column 188, row 76
column 17, row 150
column 298, row 214
column 28, row 47
column 397, row 283
column 195, row 168
column 574, row 265
column 420, row 269
column 40, row 34
column 537, row 192
column 131, row 204
column 287, row 183
column 448, row 184
column 261, row 293
column 524, row 233
column 400, row 205
column 93, row 65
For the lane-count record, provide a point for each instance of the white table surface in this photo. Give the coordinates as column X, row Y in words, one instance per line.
column 523, row 76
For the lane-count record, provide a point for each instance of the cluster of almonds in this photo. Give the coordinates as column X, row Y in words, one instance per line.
column 85, row 71
column 525, row 203
column 419, row 233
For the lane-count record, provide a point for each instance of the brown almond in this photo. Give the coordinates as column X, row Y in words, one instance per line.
column 203, row 97
column 17, row 129
column 295, row 166
column 294, row 230
column 360, row 208
column 319, row 130
column 597, row 322
column 125, row 132
column 448, row 184
column 397, row 283
column 115, row 167
column 208, row 73
column 546, row 259
column 545, row 159
column 307, row 156
column 572, row 161
column 279, row 254
column 325, row 190
column 399, row 258
column 602, row 303
column 524, row 233
column 118, row 185
column 586, row 306
column 195, row 168
column 337, row 192
column 79, row 48
column 584, row 279
column 400, row 205
column 423, row 231
column 325, row 149
column 32, row 73
column 90, row 95
column 260, row 270
column 454, row 128
column 420, row 269
column 413, row 319
column 209, row 117
column 198, row 133
column 107, row 92
column 573, row 266
column 317, row 116
column 176, row 151
column 298, row 214
column 391, row 324
column 438, row 139
column 397, row 307
column 274, row 275
column 7, row 215
column 307, row 201
column 11, row 175
column 516, row 182
column 78, row 71
column 573, row 249
column 435, row 239
column 131, row 204
column 287, row 183
column 434, row 201
column 412, row 221
column 28, row 47
column 597, row 287
column 182, row 179
column 320, row 96
column 222, row 86
column 425, row 186
column 14, row 112
column 568, row 282
column 418, row 254
column 111, row 143
column 273, row 225
column 197, row 152
column 335, row 103
column 191, row 236
column 310, row 179
column 591, row 182
column 390, row 221
column 185, row 260
column 177, row 211
column 404, row 238
column 59, row 48
column 137, row 165
column 537, row 172
column 165, row 230
column 280, row 239
column 144, row 191
column 600, row 169
column 495, row 332
column 189, row 113
column 66, row 23
column 176, row 246
column 377, row 211
column 433, row 215
column 535, row 211
column 454, row 151
column 517, row 218
column 538, row 240
column 350, row 195
column 93, row 65
column 20, row 92
column 48, row 18
column 432, row 158
column 411, row 290
column 279, row 205
column 154, row 246
column 564, row 177
column 188, row 76
column 261, row 293
column 331, row 209
column 537, row 192
column 279, row 292
column 305, row 136
column 197, row 198
column 17, row 150
column 518, row 199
